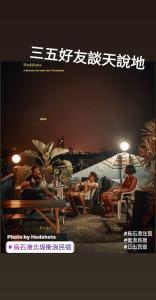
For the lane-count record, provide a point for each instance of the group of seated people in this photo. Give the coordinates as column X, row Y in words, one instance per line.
column 84, row 189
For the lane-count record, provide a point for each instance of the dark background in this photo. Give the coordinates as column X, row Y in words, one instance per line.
column 114, row 27
column 92, row 107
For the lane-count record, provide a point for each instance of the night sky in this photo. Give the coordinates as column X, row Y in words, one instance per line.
column 92, row 107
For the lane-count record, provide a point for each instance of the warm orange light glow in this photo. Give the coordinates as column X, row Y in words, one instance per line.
column 43, row 119
column 124, row 146
column 16, row 158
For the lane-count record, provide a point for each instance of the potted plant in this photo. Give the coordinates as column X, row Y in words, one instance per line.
column 147, row 151
column 50, row 160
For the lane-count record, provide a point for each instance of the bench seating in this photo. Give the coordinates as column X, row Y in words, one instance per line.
column 38, row 205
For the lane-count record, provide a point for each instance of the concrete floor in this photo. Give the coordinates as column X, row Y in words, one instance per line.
column 92, row 229
column 90, row 233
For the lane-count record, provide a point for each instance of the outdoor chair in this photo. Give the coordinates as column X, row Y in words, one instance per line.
column 90, row 199
column 123, row 199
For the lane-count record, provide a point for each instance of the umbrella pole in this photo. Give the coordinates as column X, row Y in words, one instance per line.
column 120, row 175
column 120, row 167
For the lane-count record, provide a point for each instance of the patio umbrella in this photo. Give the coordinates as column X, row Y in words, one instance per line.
column 121, row 160
column 110, row 169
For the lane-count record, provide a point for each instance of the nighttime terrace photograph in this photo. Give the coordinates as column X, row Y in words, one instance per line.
column 78, row 155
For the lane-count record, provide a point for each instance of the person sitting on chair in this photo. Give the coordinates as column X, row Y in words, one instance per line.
column 34, row 186
column 83, row 188
column 114, row 193
column 34, row 180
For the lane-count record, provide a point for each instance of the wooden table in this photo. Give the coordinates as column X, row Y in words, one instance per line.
column 38, row 205
column 59, row 190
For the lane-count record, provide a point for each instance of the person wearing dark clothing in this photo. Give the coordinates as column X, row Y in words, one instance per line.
column 34, row 187
column 35, row 178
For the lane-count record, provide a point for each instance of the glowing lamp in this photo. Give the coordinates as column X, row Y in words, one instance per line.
column 124, row 146
column 43, row 119
column 16, row 158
